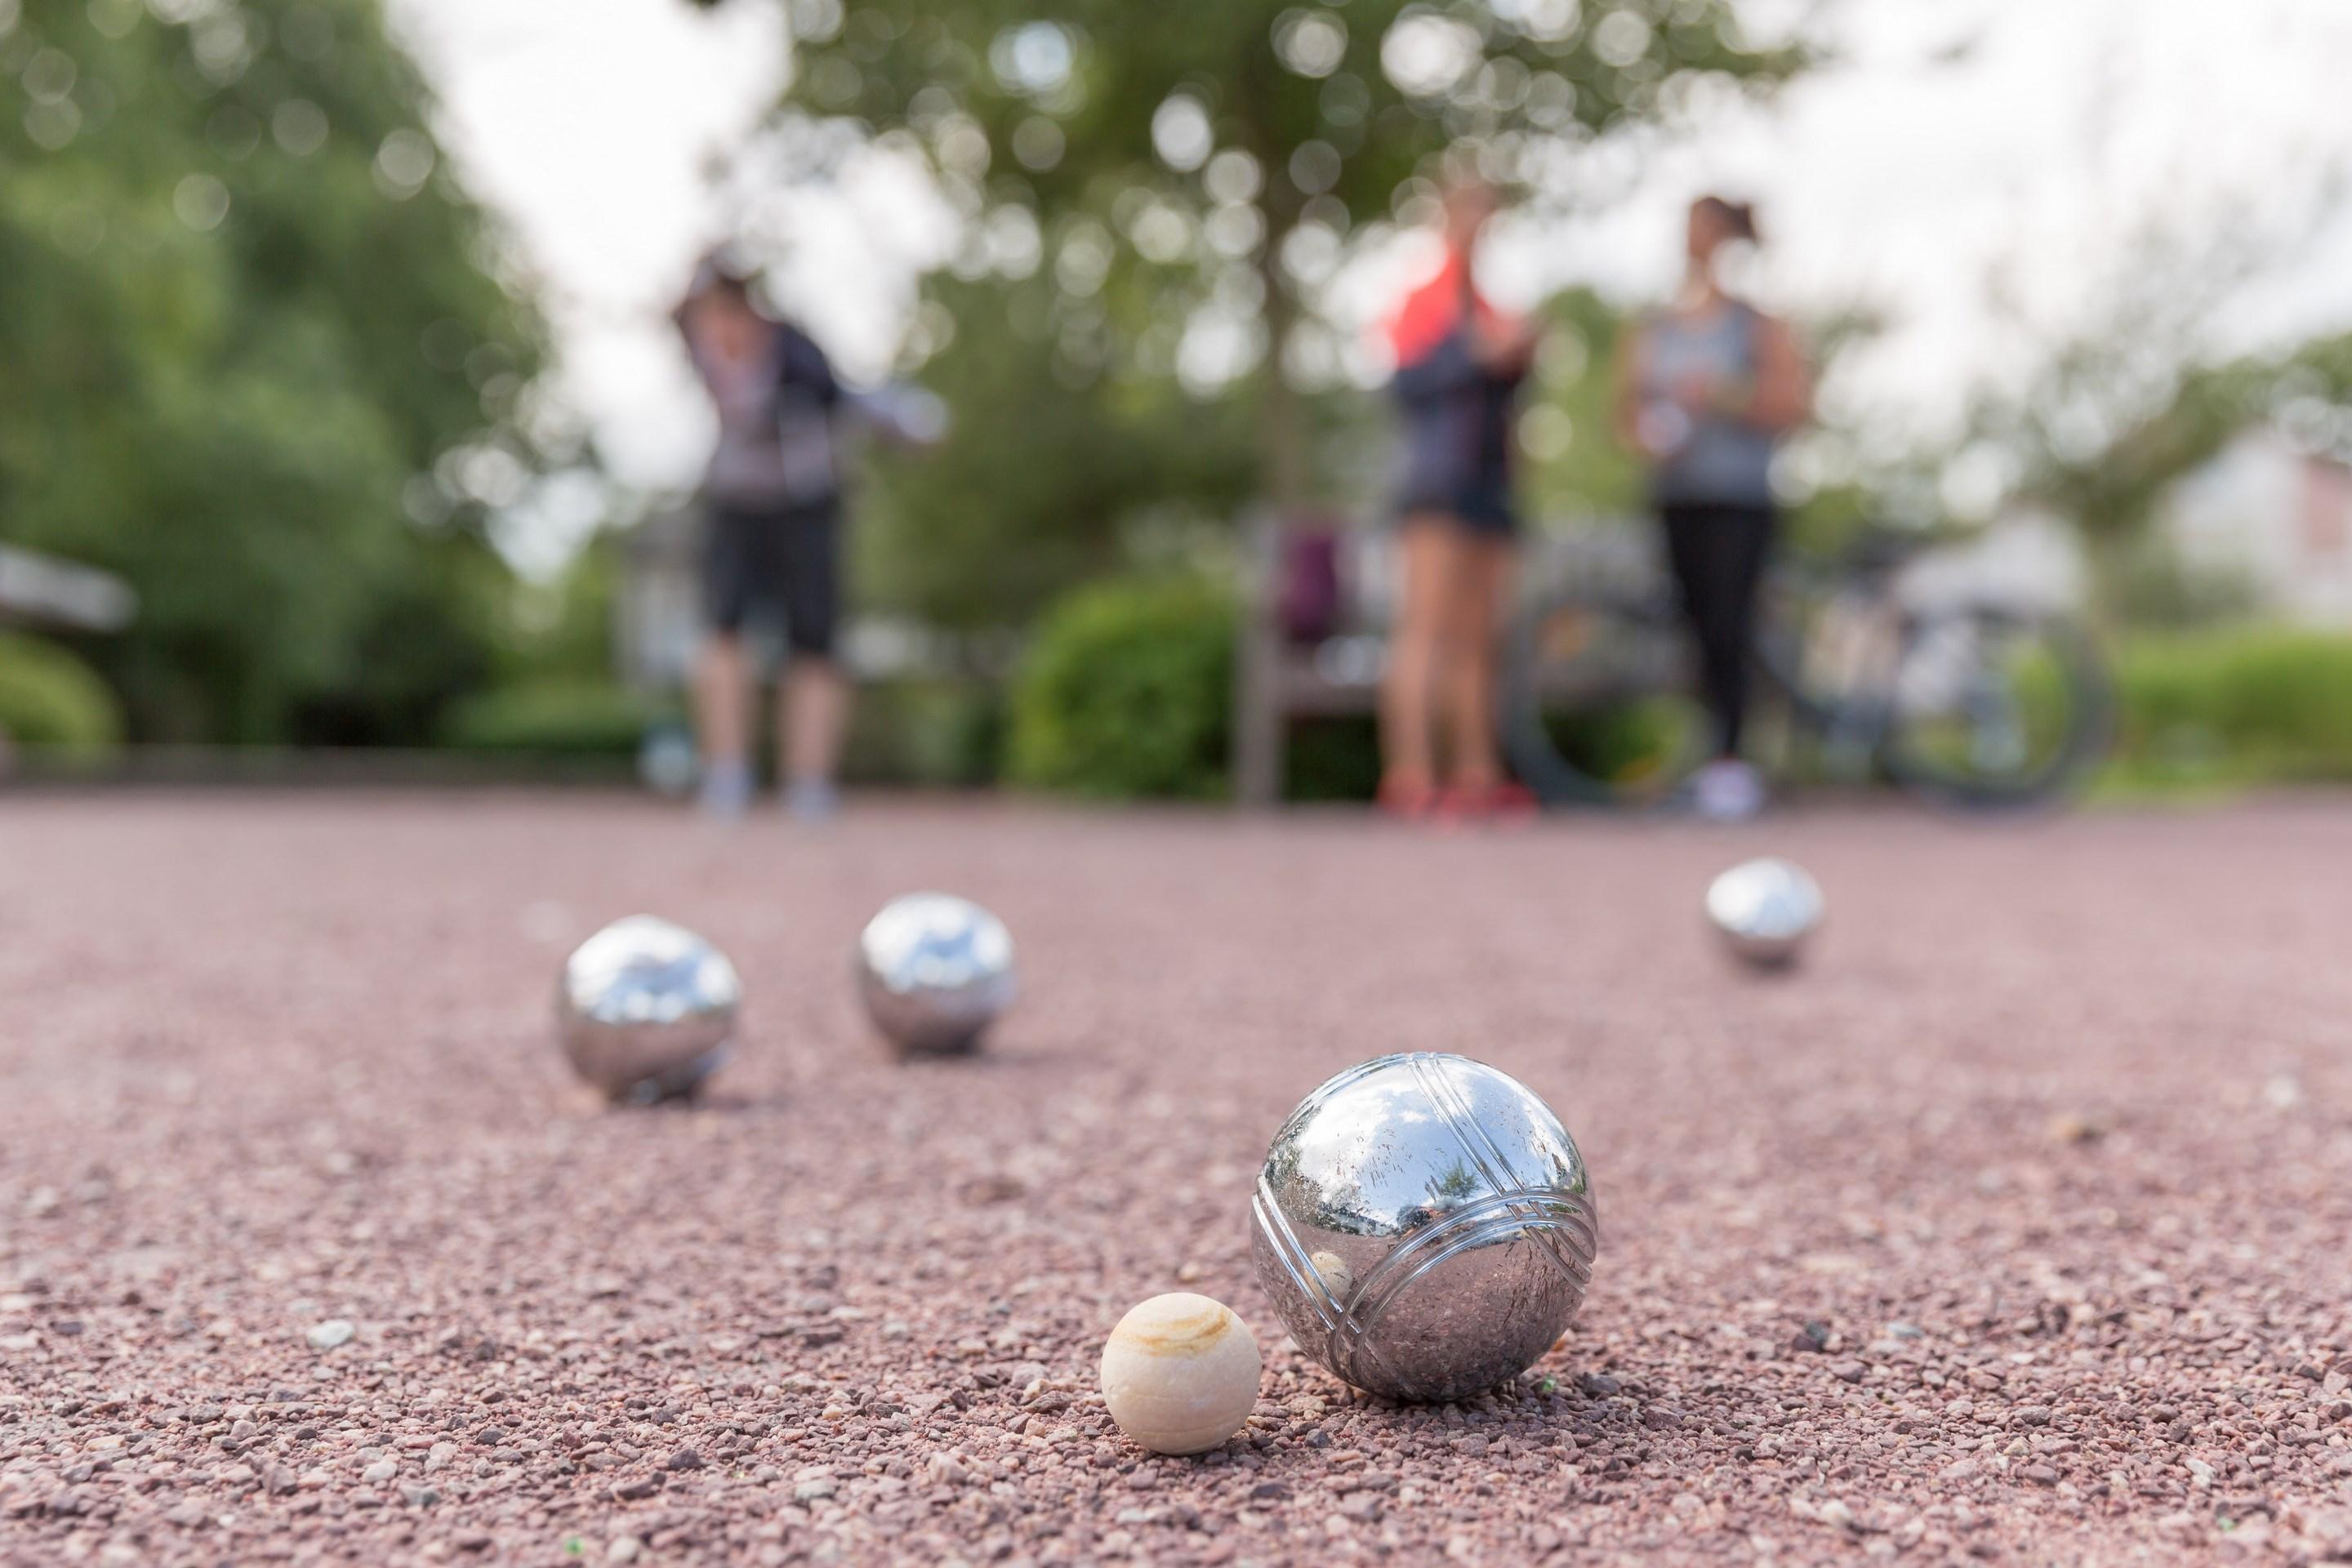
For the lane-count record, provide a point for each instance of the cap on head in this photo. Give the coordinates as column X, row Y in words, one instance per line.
column 721, row 271
column 1720, row 219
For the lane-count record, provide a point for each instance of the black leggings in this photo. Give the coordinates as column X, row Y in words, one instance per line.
column 1718, row 553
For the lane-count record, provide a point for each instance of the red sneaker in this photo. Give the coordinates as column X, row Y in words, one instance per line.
column 1512, row 801
column 1503, row 804
column 1408, row 800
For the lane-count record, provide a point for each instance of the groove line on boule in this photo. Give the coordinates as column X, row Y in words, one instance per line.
column 1461, row 1238
column 1456, row 1114
column 1494, row 1218
column 1296, row 1260
column 1376, row 1284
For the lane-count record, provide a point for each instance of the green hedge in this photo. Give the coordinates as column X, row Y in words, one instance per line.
column 2254, row 704
column 1126, row 690
column 51, row 698
column 555, row 717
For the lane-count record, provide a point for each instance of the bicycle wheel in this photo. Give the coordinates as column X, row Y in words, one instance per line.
column 1597, row 700
column 1992, row 708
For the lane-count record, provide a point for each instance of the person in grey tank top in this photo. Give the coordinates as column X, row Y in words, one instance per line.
column 1706, row 389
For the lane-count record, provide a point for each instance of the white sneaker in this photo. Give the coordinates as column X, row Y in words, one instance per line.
column 813, row 800
column 726, row 791
column 1727, row 790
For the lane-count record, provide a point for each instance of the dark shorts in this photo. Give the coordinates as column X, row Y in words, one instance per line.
column 782, row 563
column 1479, row 510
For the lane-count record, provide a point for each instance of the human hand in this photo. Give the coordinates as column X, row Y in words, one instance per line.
column 1695, row 391
column 1505, row 344
column 1661, row 429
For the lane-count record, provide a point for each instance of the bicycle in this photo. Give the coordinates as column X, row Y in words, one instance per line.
column 1959, row 697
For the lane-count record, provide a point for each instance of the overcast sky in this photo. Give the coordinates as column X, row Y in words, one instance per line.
column 1953, row 141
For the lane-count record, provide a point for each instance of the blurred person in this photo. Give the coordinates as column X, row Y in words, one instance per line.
column 1459, row 362
column 1706, row 388
column 771, row 545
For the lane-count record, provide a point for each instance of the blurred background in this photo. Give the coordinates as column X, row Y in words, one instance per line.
column 345, row 426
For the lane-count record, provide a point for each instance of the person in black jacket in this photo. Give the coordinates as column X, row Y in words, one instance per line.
column 771, row 545
column 1459, row 363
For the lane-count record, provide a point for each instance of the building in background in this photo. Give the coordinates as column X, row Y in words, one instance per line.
column 657, row 612
column 2275, row 515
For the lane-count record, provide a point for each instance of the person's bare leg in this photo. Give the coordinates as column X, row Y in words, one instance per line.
column 815, row 699
column 722, row 703
column 722, row 694
column 1408, row 760
column 1482, row 586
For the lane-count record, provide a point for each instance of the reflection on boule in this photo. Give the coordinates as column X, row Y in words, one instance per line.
column 935, row 970
column 646, row 1009
column 1424, row 1225
column 1765, row 909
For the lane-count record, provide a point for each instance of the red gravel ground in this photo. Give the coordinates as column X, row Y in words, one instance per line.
column 2014, row 1226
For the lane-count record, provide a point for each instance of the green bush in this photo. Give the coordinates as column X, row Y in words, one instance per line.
column 555, row 717
column 1127, row 692
column 49, row 697
column 2256, row 703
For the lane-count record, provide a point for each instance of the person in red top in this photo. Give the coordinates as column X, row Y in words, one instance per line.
column 1459, row 363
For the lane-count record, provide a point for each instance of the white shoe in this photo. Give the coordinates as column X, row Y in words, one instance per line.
column 813, row 800
column 1727, row 790
column 726, row 791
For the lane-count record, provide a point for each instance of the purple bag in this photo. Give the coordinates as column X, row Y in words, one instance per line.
column 1307, row 596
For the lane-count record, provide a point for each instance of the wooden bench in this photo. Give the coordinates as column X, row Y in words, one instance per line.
column 1278, row 675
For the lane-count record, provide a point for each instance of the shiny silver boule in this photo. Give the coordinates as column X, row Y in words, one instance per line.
column 1424, row 1225
column 647, row 1009
column 935, row 970
column 1765, row 909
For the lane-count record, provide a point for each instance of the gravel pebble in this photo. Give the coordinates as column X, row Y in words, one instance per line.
column 330, row 1335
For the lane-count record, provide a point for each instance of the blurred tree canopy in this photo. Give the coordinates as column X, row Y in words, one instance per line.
column 1153, row 199
column 1575, row 465
column 247, row 319
column 2141, row 393
column 2087, row 452
column 1014, row 507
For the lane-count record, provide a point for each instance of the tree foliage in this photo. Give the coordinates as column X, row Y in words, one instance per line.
column 1047, row 474
column 243, row 311
column 1156, row 163
column 2111, row 477
column 1153, row 202
column 2145, row 390
column 1575, row 466
column 1081, row 102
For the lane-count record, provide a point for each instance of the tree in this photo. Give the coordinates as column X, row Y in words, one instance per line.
column 1576, row 466
column 2142, row 394
column 1025, row 499
column 260, row 362
column 1187, row 172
